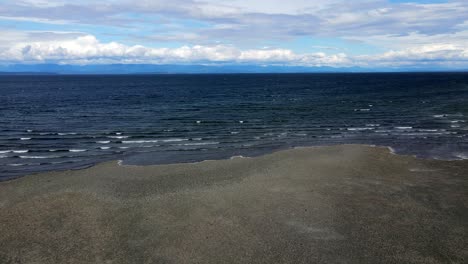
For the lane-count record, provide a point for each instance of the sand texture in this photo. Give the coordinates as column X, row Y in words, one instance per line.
column 338, row 204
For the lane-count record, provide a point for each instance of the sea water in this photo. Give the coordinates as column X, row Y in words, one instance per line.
column 61, row 122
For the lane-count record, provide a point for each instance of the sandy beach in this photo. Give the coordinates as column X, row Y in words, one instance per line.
column 337, row 204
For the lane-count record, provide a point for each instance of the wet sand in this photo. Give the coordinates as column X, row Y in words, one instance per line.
column 338, row 204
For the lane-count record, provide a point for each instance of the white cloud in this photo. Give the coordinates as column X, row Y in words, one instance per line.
column 87, row 49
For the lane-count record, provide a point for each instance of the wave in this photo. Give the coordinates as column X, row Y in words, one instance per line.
column 40, row 157
column 359, row 128
column 104, row 147
column 25, row 138
column 429, row 130
column 448, row 115
column 5, row 151
column 139, row 141
column 154, row 141
column 103, row 142
column 174, row 140
column 200, row 144
column 20, row 151
column 77, row 150
column 118, row 137
column 65, row 134
column 404, row 127
column 16, row 164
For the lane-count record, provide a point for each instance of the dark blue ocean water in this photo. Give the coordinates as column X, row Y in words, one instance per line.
column 62, row 122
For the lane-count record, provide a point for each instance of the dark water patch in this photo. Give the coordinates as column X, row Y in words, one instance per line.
column 155, row 119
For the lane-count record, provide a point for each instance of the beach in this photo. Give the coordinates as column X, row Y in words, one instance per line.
column 335, row 204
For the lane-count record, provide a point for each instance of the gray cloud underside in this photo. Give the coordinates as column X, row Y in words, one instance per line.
column 237, row 19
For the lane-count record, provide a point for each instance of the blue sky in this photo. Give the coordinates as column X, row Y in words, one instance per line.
column 337, row 33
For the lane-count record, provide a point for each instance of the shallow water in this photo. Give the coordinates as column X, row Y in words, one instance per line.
column 61, row 122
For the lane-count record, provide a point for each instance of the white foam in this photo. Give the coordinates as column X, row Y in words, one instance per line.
column 198, row 122
column 364, row 109
column 118, row 137
column 104, row 147
column 462, row 156
column 77, row 150
column 65, row 134
column 39, row 157
column 139, row 141
column 234, row 132
column 16, row 164
column 174, row 140
column 124, row 147
column 373, row 125
column 439, row 116
column 25, row 138
column 392, row 150
column 118, row 133
column 359, row 128
column 20, row 151
column 241, row 122
column 404, row 127
column 29, row 131
column 103, row 142
column 4, row 151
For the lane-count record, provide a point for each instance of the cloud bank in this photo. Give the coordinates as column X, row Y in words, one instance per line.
column 88, row 49
column 338, row 33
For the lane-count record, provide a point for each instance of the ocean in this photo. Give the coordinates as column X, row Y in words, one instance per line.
column 58, row 122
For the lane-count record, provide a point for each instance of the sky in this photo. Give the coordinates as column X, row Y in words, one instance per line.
column 335, row 33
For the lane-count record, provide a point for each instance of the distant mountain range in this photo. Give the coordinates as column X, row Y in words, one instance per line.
column 190, row 69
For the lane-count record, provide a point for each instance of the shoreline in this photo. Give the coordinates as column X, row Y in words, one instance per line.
column 121, row 162
column 335, row 204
